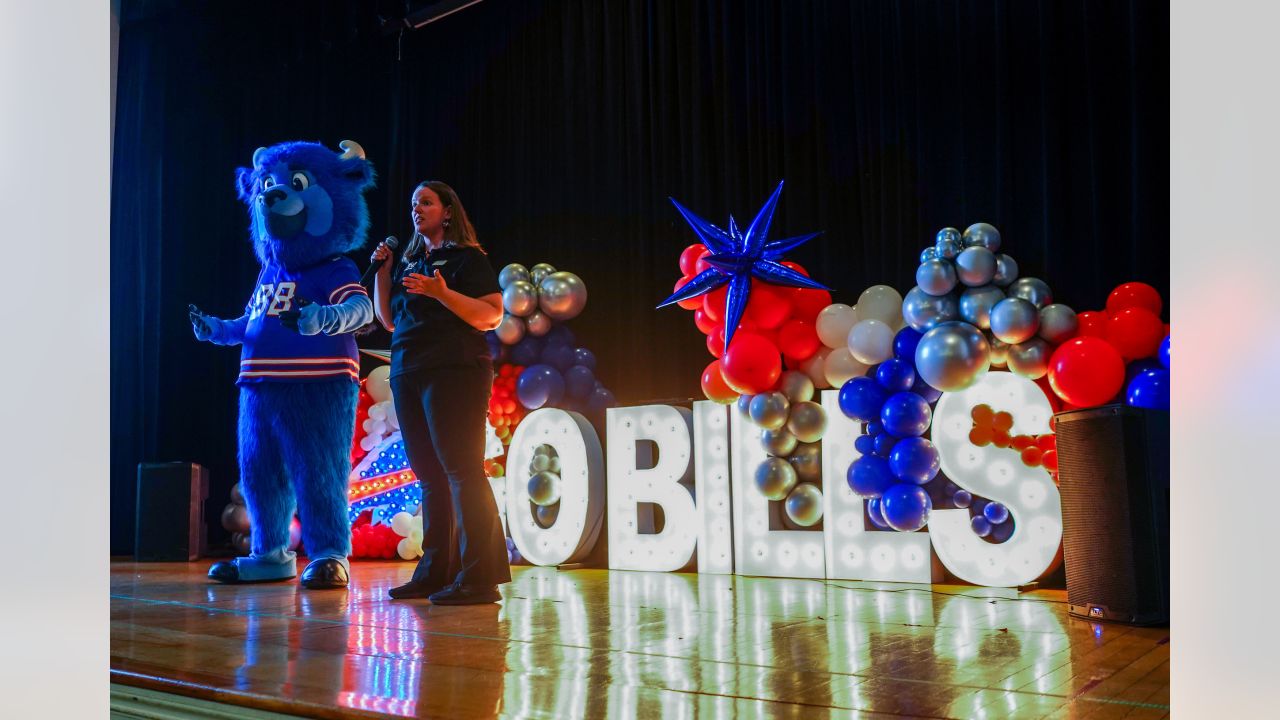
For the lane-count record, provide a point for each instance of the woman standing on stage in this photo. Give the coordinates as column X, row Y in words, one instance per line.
column 438, row 300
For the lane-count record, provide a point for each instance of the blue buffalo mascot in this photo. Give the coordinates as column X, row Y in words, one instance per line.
column 299, row 371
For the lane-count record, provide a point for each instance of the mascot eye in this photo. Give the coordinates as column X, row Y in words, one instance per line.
column 268, row 182
column 300, row 181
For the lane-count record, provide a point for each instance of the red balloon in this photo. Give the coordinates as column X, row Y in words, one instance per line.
column 1050, row 460
column 1093, row 323
column 713, row 303
column 768, row 307
column 808, row 302
column 1134, row 295
column 751, row 364
column 715, row 343
column 714, row 386
column 690, row 256
column 692, row 303
column 798, row 341
column 1135, row 332
column 705, row 323
column 1055, row 403
column 1032, row 456
column 1086, row 371
column 795, row 266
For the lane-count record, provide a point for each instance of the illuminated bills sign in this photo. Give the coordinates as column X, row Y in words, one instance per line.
column 694, row 470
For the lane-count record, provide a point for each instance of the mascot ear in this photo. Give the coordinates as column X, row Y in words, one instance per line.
column 245, row 184
column 354, row 166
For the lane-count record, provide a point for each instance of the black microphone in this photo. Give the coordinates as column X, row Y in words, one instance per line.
column 392, row 243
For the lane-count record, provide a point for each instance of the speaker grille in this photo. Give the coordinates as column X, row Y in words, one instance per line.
column 1114, row 476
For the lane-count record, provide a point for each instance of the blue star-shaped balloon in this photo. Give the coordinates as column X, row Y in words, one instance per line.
column 737, row 256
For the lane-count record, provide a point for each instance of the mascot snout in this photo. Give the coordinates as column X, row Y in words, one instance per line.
column 284, row 212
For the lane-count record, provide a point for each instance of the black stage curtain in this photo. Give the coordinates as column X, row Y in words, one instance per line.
column 566, row 125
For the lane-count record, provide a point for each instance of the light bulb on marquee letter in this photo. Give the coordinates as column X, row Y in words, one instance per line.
column 853, row 553
column 1000, row 475
column 581, row 487
column 711, row 478
column 670, row 429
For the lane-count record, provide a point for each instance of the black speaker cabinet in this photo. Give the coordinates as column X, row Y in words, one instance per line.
column 170, row 521
column 1113, row 471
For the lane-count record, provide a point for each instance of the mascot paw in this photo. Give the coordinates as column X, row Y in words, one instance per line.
column 325, row 573
column 305, row 320
column 225, row 572
column 200, row 324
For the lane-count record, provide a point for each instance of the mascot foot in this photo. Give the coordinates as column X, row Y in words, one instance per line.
column 324, row 574
column 228, row 572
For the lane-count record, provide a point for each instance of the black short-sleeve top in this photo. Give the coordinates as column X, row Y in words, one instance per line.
column 427, row 333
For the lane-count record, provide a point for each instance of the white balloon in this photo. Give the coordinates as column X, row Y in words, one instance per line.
column 369, row 442
column 378, row 411
column 815, row 368
column 378, row 383
column 402, row 523
column 416, row 535
column 871, row 341
column 834, row 323
column 392, row 420
column 842, row 365
column 378, row 430
column 407, row 550
column 880, row 302
column 367, row 425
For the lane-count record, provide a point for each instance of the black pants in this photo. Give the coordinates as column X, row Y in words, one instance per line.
column 442, row 418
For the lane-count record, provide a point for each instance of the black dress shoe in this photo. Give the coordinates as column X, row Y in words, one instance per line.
column 225, row 572
column 415, row 589
column 459, row 594
column 324, row 574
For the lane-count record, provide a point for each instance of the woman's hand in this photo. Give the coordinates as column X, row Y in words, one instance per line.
column 381, row 253
column 432, row 286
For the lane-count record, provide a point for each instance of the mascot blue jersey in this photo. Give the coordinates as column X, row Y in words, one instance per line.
column 275, row 353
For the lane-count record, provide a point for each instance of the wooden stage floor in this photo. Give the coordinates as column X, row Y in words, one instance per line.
column 600, row 643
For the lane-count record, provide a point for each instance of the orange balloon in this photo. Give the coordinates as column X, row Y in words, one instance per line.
column 980, row 436
column 982, row 414
column 714, row 386
column 1002, row 421
column 1032, row 456
column 1050, row 460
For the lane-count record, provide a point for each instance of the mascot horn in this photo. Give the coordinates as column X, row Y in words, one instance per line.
column 298, row 364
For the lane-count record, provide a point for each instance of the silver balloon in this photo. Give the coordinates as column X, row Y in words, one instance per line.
column 546, row 515
column 769, row 410
column 804, row 505
column 953, row 356
column 775, row 477
column 538, row 272
column 999, row 351
column 936, row 277
column 808, row 421
column 562, row 295
column 975, row 266
column 511, row 330
column 241, row 542
column 807, row 460
column 553, row 465
column 1014, row 320
column 540, row 463
column 1058, row 323
column 1030, row 359
column 511, row 273
column 744, row 404
column 544, row 449
column 948, row 248
column 778, row 443
column 1006, row 270
column 237, row 496
column 538, row 323
column 796, row 386
column 923, row 311
column 976, row 304
column 520, row 298
column 982, row 235
column 1033, row 290
column 235, row 518
column 544, row 488
column 929, row 253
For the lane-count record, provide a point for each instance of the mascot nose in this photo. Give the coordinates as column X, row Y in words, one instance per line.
column 274, row 195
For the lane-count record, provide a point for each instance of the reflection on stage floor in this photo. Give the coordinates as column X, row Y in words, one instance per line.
column 599, row 643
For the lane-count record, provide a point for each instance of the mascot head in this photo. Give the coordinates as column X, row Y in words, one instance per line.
column 306, row 202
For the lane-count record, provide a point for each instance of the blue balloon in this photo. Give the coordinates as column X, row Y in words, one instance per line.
column 539, row 385
column 995, row 513
column 558, row 356
column 950, row 488
column 905, row 342
column 1137, row 367
column 869, row 476
column 579, row 382
column 528, row 351
column 1001, row 532
column 861, row 398
column 876, row 514
column 906, row 507
column 980, row 526
column 884, row 443
column 865, row 444
column 896, row 375
column 585, row 358
column 962, row 498
column 905, row 414
column 600, row 400
column 1164, row 352
column 915, row 460
column 1149, row 390
column 925, row 390
column 875, row 427
column 560, row 335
